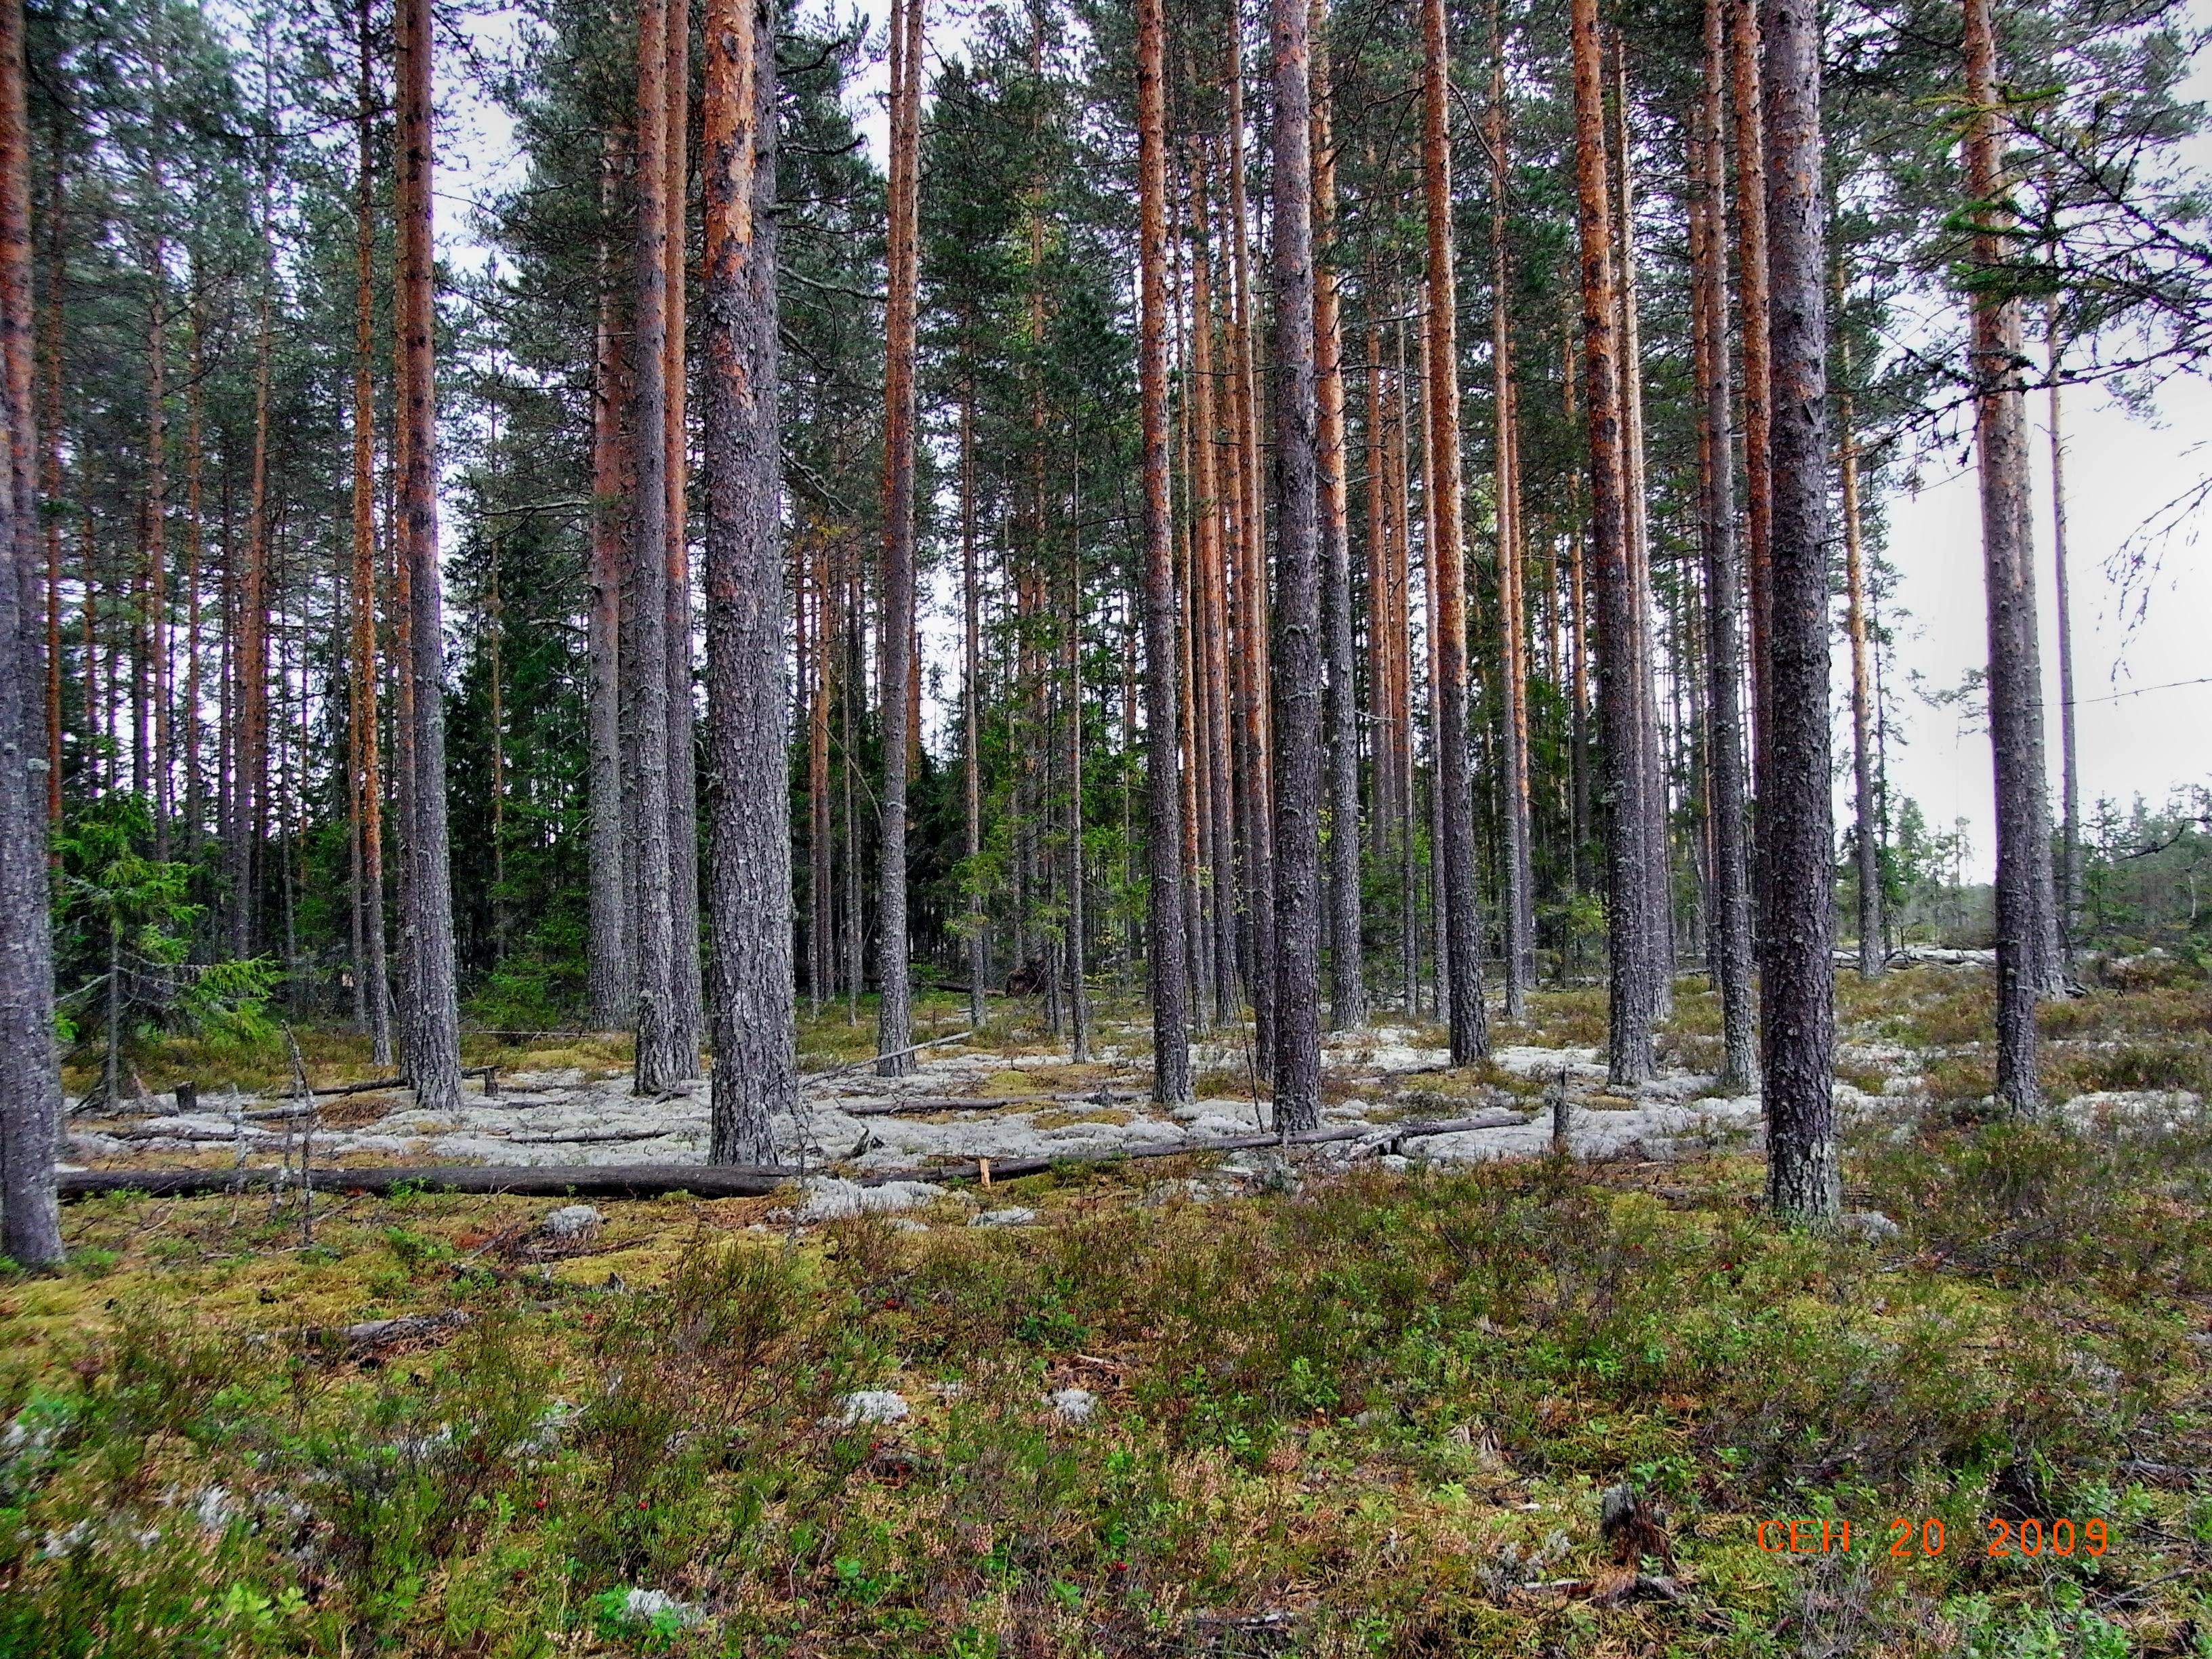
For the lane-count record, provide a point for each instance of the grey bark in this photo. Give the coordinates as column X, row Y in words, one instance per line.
column 1631, row 1001
column 1728, row 916
column 1797, row 821
column 2015, row 681
column 660, row 1059
column 1166, row 951
column 610, row 963
column 30, row 1079
column 1298, row 654
column 432, row 1020
column 894, row 656
column 1347, row 975
column 687, row 1011
column 749, row 897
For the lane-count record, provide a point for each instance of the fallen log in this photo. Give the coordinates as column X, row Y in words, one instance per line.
column 920, row 1104
column 1004, row 1169
column 525, row 1180
column 704, row 1179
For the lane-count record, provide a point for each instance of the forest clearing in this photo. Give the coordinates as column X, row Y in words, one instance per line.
column 1037, row 828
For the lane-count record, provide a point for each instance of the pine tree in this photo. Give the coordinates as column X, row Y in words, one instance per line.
column 1298, row 647
column 431, row 1021
column 1463, row 941
column 748, row 843
column 894, row 1019
column 1796, row 827
column 30, row 1082
column 1167, row 956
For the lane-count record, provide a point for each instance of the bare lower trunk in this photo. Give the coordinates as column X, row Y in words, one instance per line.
column 1620, row 703
column 1518, row 903
column 894, row 1012
column 1729, row 919
column 30, row 1082
column 687, row 1016
column 2070, row 844
column 660, row 1059
column 971, row 725
column 1470, row 1029
column 1297, row 645
column 749, row 897
column 611, row 961
column 1347, row 984
column 1797, row 819
column 1752, row 298
column 432, row 1018
column 1166, row 948
column 369, row 782
column 2015, row 683
column 1866, row 832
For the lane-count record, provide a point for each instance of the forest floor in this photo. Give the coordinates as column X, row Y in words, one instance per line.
column 1222, row 1404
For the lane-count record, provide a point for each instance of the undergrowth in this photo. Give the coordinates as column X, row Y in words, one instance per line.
column 1362, row 1419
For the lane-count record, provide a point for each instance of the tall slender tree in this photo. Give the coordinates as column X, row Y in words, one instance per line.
column 1728, row 914
column 1463, row 942
column 1167, row 951
column 30, row 1079
column 432, row 1018
column 368, row 771
column 1297, row 649
column 661, row 1057
column 1796, row 821
column 749, row 841
column 895, row 1010
column 610, row 962
column 1347, row 974
column 2016, row 675
column 2069, row 824
column 1518, row 899
column 687, row 1014
column 1631, row 1003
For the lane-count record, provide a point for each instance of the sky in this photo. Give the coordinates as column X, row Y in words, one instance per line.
column 2142, row 668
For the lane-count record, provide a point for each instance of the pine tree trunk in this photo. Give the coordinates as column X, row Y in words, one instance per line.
column 1347, row 973
column 1728, row 919
column 157, row 536
column 1298, row 654
column 249, row 803
column 1211, row 583
column 1621, row 707
column 610, row 962
column 368, row 782
column 1797, row 821
column 50, row 470
column 1866, row 831
column 2015, row 681
column 1249, row 593
column 30, row 1081
column 195, row 567
column 1658, row 893
column 432, row 1018
column 687, row 1017
column 1166, row 949
column 661, row 1057
column 1079, row 998
column 2069, row 843
column 756, row 1073
column 895, row 1015
column 1744, row 94
column 1470, row 1030
column 971, row 720
column 1519, row 903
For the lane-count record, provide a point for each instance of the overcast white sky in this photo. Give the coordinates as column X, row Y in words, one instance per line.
column 2145, row 700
